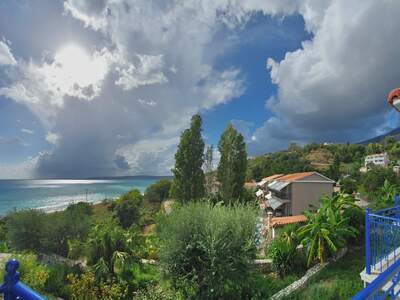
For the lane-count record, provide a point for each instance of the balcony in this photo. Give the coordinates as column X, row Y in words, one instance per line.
column 381, row 275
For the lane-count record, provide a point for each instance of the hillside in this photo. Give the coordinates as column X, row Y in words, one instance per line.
column 395, row 133
column 332, row 160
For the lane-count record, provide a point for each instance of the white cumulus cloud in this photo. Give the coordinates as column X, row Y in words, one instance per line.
column 6, row 57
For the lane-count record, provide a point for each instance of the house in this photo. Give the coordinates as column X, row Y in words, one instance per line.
column 275, row 222
column 294, row 193
column 263, row 184
column 381, row 159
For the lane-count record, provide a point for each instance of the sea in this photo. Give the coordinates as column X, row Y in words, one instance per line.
column 57, row 194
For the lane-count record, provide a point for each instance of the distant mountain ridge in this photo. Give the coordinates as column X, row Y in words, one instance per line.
column 130, row 177
column 395, row 133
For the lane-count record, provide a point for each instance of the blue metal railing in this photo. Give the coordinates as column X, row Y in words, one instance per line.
column 12, row 288
column 382, row 238
column 384, row 286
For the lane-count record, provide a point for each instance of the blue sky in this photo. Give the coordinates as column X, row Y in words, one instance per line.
column 94, row 88
column 263, row 37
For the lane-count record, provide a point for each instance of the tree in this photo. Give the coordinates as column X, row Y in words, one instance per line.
column 208, row 169
column 348, row 185
column 384, row 197
column 188, row 182
column 158, row 191
column 208, row 250
column 25, row 229
column 373, row 180
column 327, row 229
column 128, row 208
column 334, row 168
column 374, row 148
column 232, row 165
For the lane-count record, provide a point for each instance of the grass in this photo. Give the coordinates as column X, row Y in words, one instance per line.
column 340, row 280
column 101, row 212
column 274, row 284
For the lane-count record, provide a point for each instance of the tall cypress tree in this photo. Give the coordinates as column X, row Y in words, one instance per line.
column 232, row 165
column 188, row 182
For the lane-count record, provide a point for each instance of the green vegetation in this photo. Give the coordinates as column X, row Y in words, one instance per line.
column 128, row 208
column 205, row 247
column 232, row 165
column 339, row 281
column 277, row 163
column 48, row 233
column 286, row 259
column 207, row 251
column 158, row 191
column 327, row 230
column 188, row 182
column 111, row 243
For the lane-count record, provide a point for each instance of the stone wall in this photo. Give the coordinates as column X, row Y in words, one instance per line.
column 303, row 280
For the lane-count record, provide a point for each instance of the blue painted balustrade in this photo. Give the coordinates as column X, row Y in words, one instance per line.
column 13, row 288
column 385, row 286
column 382, row 253
column 382, row 238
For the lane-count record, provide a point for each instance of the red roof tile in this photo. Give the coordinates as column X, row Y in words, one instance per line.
column 295, row 176
column 281, row 221
column 272, row 177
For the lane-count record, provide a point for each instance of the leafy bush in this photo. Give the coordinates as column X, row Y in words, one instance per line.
column 157, row 292
column 35, row 230
column 374, row 179
column 32, row 272
column 328, row 229
column 25, row 229
column 85, row 287
column 159, row 191
column 128, row 208
column 286, row 258
column 348, row 185
column 282, row 255
column 57, row 283
column 207, row 251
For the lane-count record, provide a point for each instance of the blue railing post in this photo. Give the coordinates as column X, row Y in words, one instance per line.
column 367, row 244
column 12, row 288
column 396, row 205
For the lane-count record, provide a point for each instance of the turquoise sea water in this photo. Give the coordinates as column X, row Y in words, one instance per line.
column 52, row 195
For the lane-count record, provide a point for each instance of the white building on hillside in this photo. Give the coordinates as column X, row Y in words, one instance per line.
column 381, row 160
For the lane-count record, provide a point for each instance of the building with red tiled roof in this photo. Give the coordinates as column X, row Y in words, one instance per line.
column 292, row 194
column 294, row 176
column 275, row 222
column 250, row 185
column 282, row 221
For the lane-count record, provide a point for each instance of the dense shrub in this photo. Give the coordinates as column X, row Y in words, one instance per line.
column 373, row 180
column 32, row 272
column 282, row 255
column 57, row 283
column 348, row 185
column 85, row 287
column 286, row 258
column 157, row 292
column 49, row 233
column 158, row 192
column 128, row 208
column 207, row 251
column 327, row 230
column 25, row 229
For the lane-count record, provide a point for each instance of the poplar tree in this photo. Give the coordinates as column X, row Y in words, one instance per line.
column 232, row 165
column 208, row 169
column 188, row 182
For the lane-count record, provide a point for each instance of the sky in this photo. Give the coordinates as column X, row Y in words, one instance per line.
column 104, row 88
